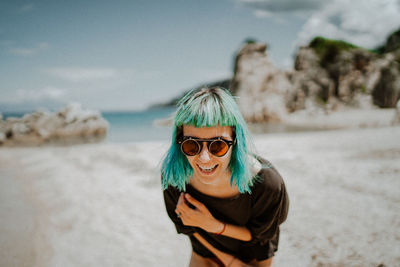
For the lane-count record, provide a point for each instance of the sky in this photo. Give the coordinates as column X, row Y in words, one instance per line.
column 126, row 55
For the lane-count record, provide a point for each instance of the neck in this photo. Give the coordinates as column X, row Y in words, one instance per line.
column 221, row 189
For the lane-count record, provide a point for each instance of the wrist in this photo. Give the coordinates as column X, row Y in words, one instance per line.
column 221, row 229
column 215, row 226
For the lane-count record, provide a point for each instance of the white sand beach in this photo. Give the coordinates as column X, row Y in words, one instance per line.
column 101, row 204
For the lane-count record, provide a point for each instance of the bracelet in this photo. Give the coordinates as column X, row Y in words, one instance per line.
column 223, row 229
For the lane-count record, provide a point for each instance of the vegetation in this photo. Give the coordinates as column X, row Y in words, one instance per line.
column 322, row 45
column 250, row 40
column 379, row 50
column 328, row 49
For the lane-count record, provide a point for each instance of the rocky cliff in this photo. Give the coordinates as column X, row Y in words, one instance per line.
column 262, row 89
column 327, row 75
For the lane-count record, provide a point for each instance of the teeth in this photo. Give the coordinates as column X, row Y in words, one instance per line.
column 207, row 169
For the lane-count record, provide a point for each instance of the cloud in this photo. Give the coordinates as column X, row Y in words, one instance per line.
column 24, row 51
column 280, row 6
column 262, row 13
column 48, row 92
column 26, row 8
column 23, row 98
column 366, row 23
column 79, row 74
column 28, row 100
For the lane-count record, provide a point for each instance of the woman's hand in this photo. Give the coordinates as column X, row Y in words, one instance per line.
column 200, row 216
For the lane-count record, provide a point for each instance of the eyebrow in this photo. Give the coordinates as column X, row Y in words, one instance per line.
column 212, row 138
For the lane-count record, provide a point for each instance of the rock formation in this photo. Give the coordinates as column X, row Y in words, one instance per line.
column 261, row 88
column 327, row 74
column 71, row 124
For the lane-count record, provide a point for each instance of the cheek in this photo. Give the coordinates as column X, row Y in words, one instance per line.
column 225, row 160
column 192, row 161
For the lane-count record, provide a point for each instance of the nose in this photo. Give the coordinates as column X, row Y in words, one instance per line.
column 204, row 153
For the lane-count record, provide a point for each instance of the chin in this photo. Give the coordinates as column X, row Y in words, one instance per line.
column 211, row 178
column 208, row 180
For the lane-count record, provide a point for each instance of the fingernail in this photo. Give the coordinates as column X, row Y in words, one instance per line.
column 187, row 195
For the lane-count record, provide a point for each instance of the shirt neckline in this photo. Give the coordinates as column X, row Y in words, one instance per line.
column 191, row 188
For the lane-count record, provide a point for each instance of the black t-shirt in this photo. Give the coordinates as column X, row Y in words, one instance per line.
column 261, row 212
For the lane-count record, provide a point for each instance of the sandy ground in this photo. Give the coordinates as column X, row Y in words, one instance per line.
column 101, row 204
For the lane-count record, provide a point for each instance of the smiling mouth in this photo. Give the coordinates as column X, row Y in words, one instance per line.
column 207, row 171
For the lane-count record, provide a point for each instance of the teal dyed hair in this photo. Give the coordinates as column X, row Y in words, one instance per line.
column 208, row 107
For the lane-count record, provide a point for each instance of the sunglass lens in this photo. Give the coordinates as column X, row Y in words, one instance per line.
column 190, row 147
column 219, row 148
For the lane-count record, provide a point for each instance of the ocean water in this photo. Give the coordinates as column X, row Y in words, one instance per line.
column 138, row 126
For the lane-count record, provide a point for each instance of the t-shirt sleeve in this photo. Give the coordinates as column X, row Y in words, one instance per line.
column 171, row 196
column 269, row 208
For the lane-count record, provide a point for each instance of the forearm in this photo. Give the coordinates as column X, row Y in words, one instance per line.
column 237, row 232
column 224, row 257
column 234, row 231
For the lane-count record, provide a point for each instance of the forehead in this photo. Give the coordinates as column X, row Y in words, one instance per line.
column 207, row 132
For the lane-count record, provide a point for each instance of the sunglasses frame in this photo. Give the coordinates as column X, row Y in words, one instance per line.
column 208, row 141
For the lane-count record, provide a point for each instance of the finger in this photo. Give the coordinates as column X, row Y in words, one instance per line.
column 194, row 201
column 180, row 200
column 179, row 214
column 183, row 219
column 181, row 205
column 178, row 211
column 178, row 208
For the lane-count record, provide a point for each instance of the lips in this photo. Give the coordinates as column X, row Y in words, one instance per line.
column 207, row 171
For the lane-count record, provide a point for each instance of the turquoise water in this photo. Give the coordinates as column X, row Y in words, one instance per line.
column 137, row 126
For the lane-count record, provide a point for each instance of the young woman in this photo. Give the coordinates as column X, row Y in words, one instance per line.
column 229, row 201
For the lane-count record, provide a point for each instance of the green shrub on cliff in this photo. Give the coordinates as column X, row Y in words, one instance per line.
column 328, row 49
column 321, row 45
column 250, row 40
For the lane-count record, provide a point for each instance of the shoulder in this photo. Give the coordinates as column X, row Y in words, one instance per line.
column 171, row 193
column 268, row 180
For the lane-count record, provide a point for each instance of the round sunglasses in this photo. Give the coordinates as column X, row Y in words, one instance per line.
column 192, row 146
